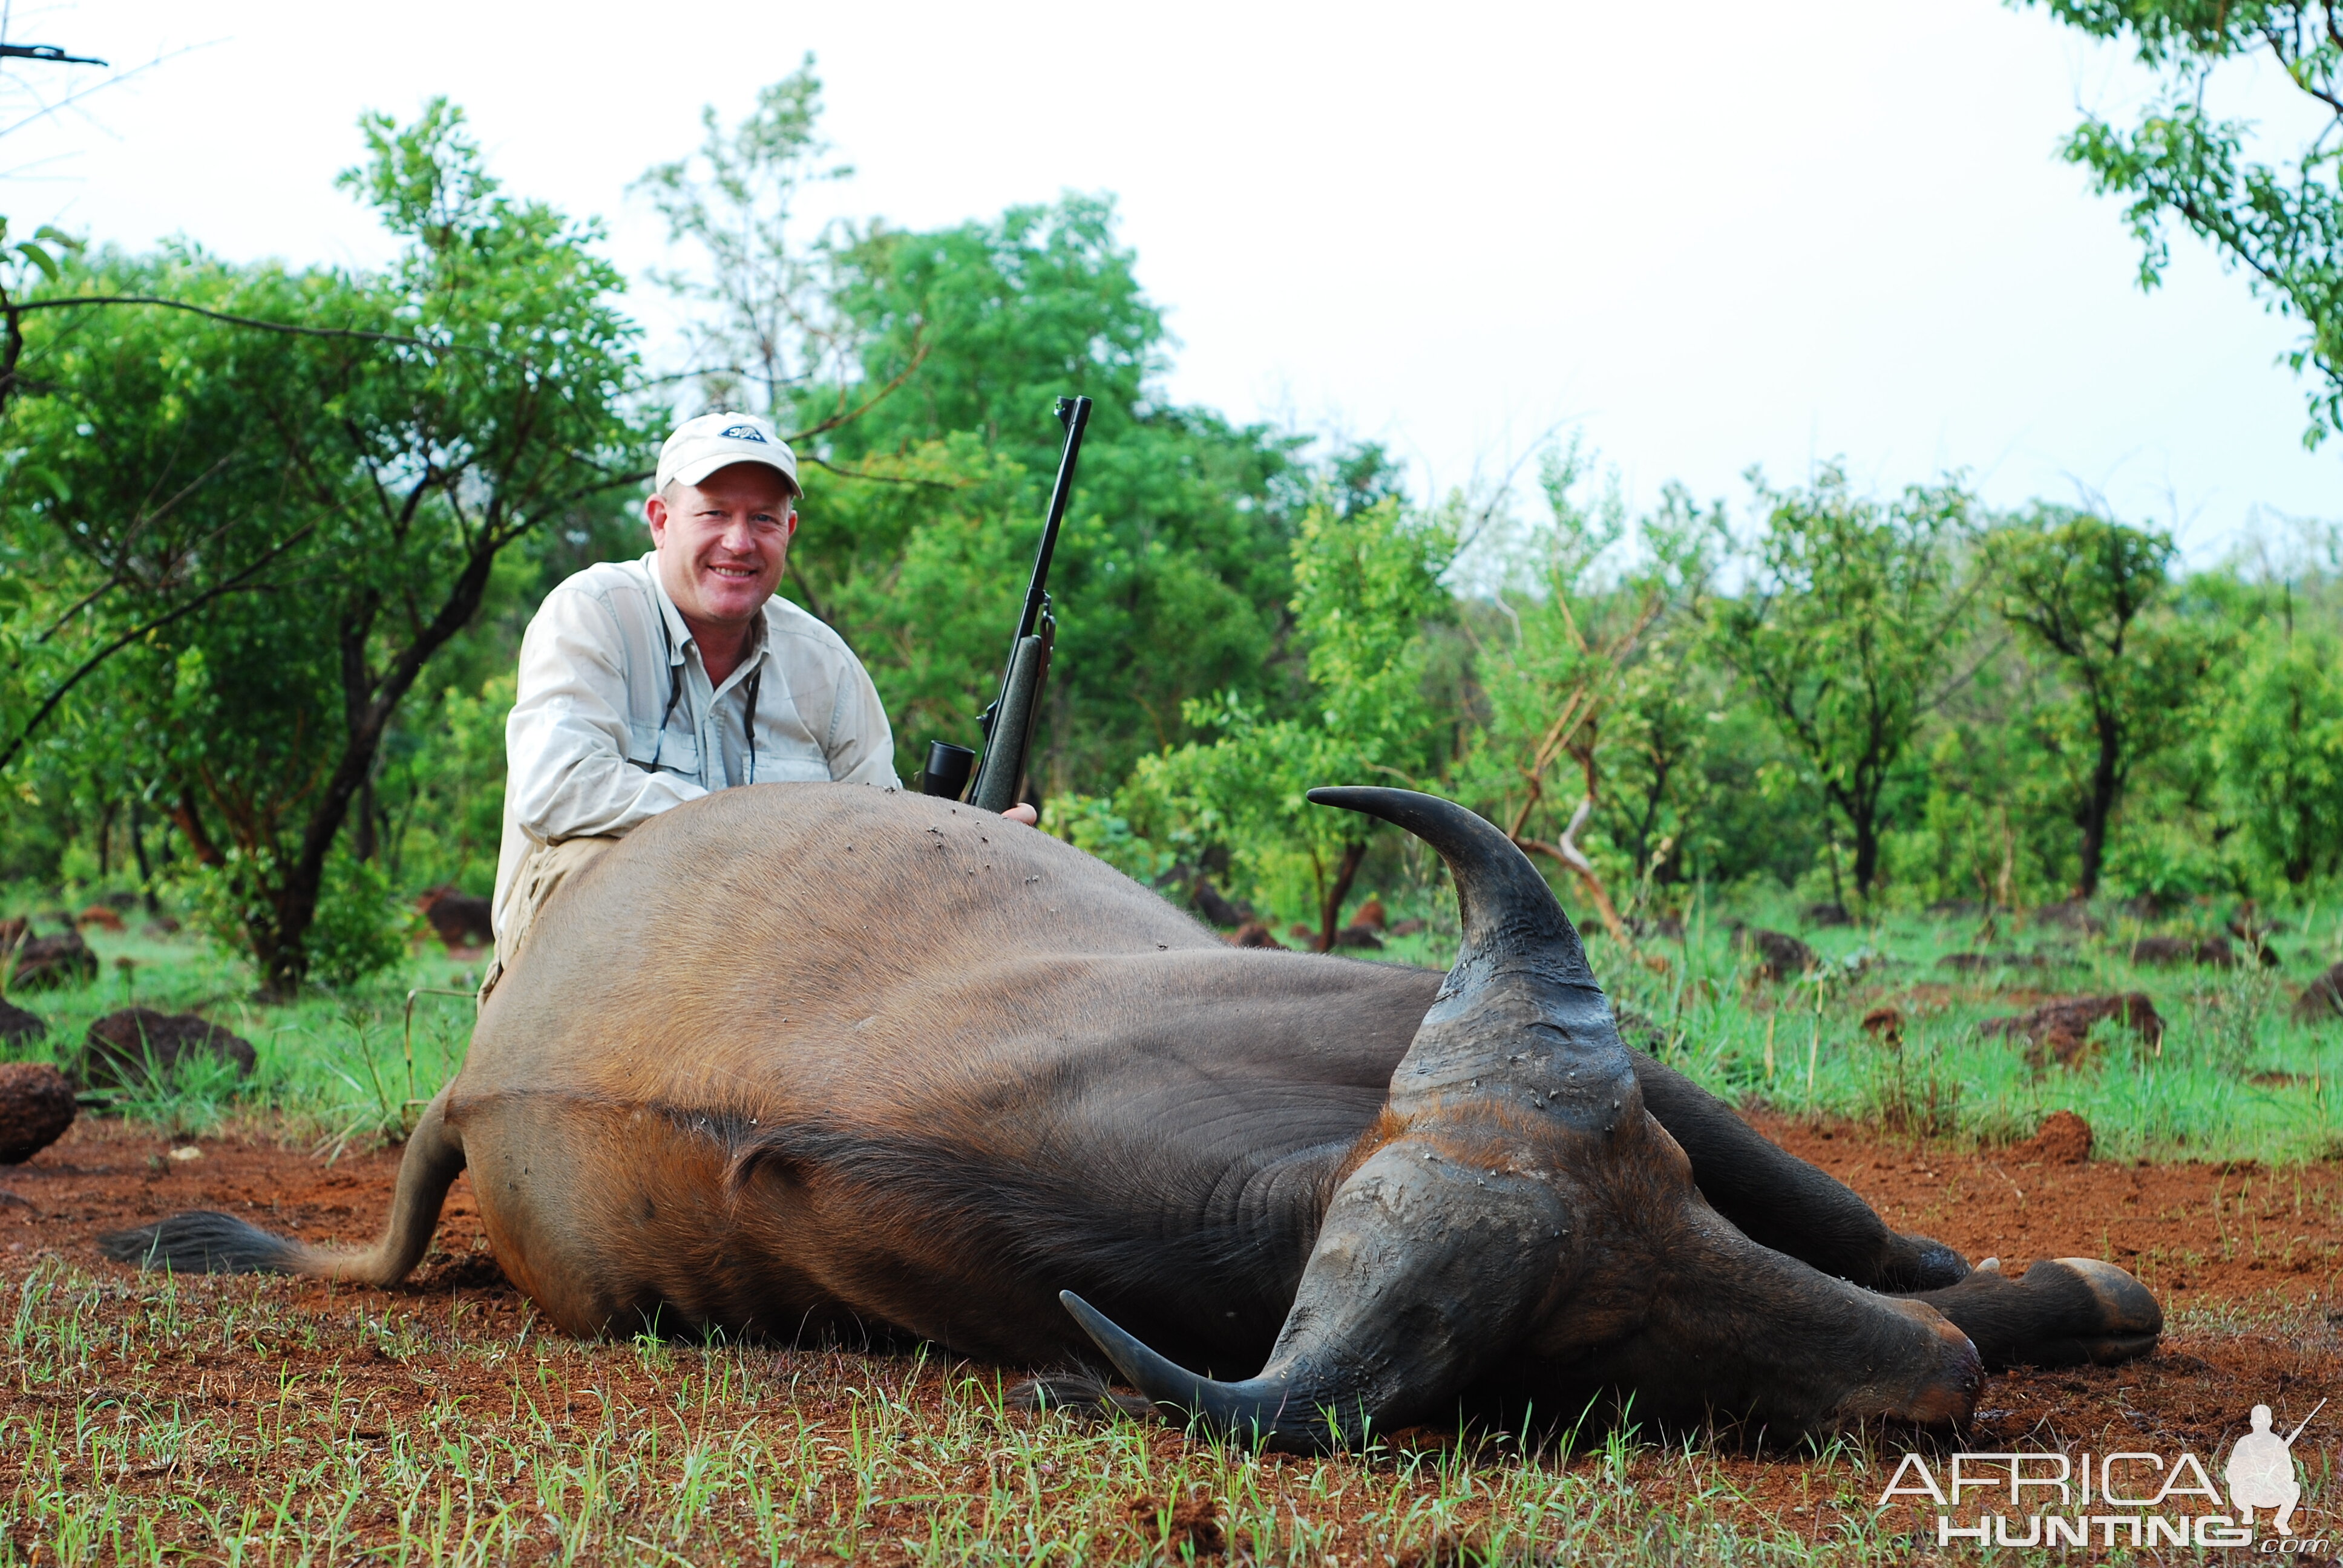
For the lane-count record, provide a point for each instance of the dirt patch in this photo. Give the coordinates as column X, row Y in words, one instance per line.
column 2247, row 1260
column 2065, row 1140
column 2193, row 1231
column 104, row 1176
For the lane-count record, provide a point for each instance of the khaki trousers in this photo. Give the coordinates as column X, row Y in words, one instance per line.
column 542, row 872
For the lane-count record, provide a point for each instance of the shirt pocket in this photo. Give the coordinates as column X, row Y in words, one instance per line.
column 669, row 750
column 792, row 761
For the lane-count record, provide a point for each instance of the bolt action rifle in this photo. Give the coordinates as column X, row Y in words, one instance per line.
column 1008, row 722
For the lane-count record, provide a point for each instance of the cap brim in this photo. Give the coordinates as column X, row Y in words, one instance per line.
column 693, row 472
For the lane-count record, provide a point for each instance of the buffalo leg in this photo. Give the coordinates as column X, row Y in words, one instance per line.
column 1779, row 1201
column 2062, row 1311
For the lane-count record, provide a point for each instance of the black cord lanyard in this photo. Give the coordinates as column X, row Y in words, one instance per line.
column 749, row 716
column 674, row 689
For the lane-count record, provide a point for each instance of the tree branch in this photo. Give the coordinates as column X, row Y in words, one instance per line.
column 289, row 329
column 919, row 357
column 230, row 586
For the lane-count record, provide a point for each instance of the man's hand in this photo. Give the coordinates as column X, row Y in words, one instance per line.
column 1021, row 812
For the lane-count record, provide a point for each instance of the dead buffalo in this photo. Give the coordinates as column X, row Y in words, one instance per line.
column 800, row 1059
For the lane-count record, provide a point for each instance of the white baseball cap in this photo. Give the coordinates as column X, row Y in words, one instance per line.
column 700, row 447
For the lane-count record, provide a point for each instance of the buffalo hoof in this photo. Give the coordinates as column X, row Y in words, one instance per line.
column 2124, row 1320
column 1943, row 1392
column 2060, row 1312
column 1920, row 1263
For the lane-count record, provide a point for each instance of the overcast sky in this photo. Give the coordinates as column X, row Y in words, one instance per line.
column 1711, row 236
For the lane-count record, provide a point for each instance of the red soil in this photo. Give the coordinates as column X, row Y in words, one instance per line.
column 2193, row 1233
column 2248, row 1262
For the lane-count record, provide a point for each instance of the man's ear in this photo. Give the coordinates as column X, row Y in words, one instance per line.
column 655, row 513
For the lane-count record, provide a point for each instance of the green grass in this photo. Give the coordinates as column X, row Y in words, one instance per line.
column 332, row 1067
column 243, row 1421
column 219, row 1419
column 2195, row 1098
column 2234, row 1079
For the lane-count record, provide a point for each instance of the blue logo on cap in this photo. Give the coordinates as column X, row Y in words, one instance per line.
column 744, row 433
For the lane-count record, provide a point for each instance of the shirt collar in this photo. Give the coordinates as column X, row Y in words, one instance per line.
column 678, row 631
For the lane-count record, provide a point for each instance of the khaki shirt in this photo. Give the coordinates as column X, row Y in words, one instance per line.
column 616, row 721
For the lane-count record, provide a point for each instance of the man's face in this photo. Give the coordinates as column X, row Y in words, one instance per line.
column 722, row 542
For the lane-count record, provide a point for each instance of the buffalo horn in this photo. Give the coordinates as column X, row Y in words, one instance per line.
column 1263, row 1408
column 1505, row 905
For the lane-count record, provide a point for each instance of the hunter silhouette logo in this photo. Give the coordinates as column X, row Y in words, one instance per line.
column 744, row 433
column 2134, row 1498
column 2260, row 1472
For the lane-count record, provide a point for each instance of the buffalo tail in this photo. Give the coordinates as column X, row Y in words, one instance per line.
column 206, row 1243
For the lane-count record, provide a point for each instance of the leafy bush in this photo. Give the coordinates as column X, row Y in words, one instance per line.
column 1091, row 824
column 362, row 927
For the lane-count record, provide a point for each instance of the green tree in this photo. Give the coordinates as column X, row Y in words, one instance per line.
column 281, row 529
column 1851, row 635
column 1365, row 588
column 1659, row 753
column 762, row 331
column 1173, row 575
column 1993, row 823
column 2282, row 219
column 2080, row 589
column 2278, row 746
column 1583, row 672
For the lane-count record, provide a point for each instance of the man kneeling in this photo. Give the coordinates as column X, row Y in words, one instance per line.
column 648, row 683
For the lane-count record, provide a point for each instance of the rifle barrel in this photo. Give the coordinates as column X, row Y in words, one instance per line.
column 1074, row 413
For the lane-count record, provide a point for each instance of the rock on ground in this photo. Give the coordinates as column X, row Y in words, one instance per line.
column 457, row 917
column 18, row 1026
column 2060, row 1030
column 36, row 1106
column 2167, row 952
column 2065, row 1139
column 121, row 1045
column 44, row 961
column 2072, row 915
column 1779, row 954
column 1984, row 963
column 1216, row 906
column 2322, row 998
